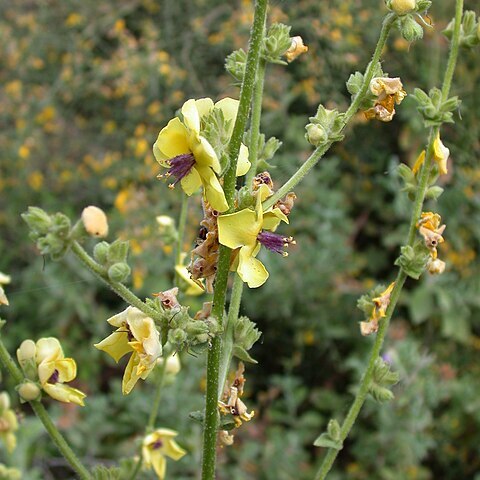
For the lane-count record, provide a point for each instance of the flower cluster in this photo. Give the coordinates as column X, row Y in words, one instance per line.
column 45, row 366
column 389, row 91
column 430, row 228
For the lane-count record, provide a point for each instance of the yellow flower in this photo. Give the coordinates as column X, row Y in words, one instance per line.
column 389, row 91
column 8, row 423
column 402, row 7
column 440, row 155
column 54, row 370
column 136, row 334
column 158, row 445
column 190, row 158
column 248, row 230
column 296, row 49
column 418, row 162
column 4, row 279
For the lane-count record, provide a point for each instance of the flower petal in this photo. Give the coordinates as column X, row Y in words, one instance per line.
column 48, row 349
column 116, row 344
column 272, row 218
column 159, row 464
column 171, row 141
column 243, row 165
column 251, row 270
column 191, row 117
column 119, row 319
column 191, row 182
column 204, row 106
column 64, row 393
column 204, row 154
column 172, row 449
column 192, row 288
column 440, row 155
column 229, row 108
column 238, row 229
column 130, row 377
column 67, row 369
column 213, row 190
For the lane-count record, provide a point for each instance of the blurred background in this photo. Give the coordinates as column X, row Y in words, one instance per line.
column 85, row 89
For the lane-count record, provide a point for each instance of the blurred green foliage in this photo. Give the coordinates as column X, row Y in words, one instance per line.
column 85, row 88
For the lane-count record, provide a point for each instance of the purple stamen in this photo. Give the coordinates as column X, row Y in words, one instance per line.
column 156, row 445
column 275, row 242
column 180, row 166
column 55, row 376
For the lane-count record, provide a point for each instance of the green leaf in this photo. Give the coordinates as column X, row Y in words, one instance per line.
column 242, row 354
column 325, row 441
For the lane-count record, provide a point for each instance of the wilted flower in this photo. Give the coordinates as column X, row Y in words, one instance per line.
column 389, row 91
column 436, row 267
column 379, row 311
column 95, row 221
column 248, row 230
column 158, row 445
column 136, row 334
column 188, row 155
column 296, row 49
column 430, row 229
column 191, row 288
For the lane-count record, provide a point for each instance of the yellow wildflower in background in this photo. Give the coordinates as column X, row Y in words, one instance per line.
column 190, row 158
column 136, row 334
column 158, row 445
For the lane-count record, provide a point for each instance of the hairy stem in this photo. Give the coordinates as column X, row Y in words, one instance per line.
column 401, row 276
column 319, row 152
column 246, row 92
column 119, row 288
column 40, row 411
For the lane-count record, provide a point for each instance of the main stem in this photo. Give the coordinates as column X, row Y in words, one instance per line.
column 319, row 152
column 42, row 414
column 401, row 276
column 211, row 401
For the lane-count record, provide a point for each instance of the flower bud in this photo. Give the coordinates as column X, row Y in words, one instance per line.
column 37, row 219
column 410, row 29
column 95, row 221
column 316, row 134
column 26, row 352
column 402, row 7
column 173, row 364
column 100, row 252
column 29, row 391
column 4, row 402
column 436, row 267
column 119, row 272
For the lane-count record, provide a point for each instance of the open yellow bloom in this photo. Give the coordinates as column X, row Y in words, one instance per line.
column 188, row 155
column 136, row 334
column 54, row 370
column 248, row 230
column 440, row 155
column 157, row 446
column 4, row 279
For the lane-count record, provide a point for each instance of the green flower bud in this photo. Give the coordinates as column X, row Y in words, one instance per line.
column 410, row 29
column 316, row 134
column 235, row 64
column 37, row 220
column 177, row 336
column 29, row 391
column 118, row 251
column 197, row 327
column 100, row 252
column 61, row 225
column 119, row 272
